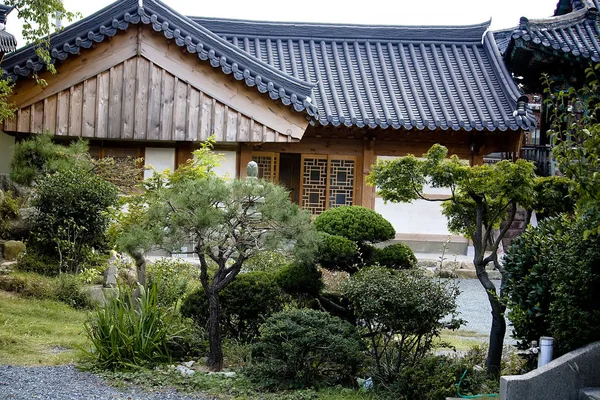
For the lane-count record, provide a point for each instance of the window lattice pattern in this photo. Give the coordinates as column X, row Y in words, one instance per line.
column 267, row 165
column 314, row 185
column 341, row 183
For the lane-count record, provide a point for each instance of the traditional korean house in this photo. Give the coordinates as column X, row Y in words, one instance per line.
column 562, row 46
column 314, row 104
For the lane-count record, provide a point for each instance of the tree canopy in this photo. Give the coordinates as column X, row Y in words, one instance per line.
column 482, row 206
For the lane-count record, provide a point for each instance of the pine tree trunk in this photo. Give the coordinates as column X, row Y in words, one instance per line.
column 215, row 355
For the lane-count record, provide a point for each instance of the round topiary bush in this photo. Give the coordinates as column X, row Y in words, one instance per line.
column 305, row 348
column 245, row 302
column 356, row 223
column 337, row 253
column 396, row 256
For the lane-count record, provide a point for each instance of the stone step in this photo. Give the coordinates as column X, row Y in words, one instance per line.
column 589, row 394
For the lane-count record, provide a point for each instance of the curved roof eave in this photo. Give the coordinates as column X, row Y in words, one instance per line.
column 187, row 34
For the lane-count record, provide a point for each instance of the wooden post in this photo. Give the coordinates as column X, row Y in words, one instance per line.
column 183, row 153
column 245, row 158
column 369, row 158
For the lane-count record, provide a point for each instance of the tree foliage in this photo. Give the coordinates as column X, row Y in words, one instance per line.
column 71, row 216
column 402, row 312
column 225, row 222
column 554, row 284
column 482, row 197
column 575, row 135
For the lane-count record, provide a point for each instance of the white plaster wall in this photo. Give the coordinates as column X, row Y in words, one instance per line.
column 418, row 217
column 228, row 167
column 160, row 159
column 6, row 152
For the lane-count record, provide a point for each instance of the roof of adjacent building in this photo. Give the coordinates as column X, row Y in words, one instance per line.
column 449, row 77
column 571, row 33
column 7, row 41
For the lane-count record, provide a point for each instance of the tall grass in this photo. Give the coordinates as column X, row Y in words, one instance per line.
column 131, row 331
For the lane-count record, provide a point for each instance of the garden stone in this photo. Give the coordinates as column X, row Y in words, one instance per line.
column 13, row 249
column 110, row 277
column 188, row 364
column 185, row 371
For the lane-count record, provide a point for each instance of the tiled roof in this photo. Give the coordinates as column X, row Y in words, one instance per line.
column 365, row 76
column 194, row 38
column 575, row 35
column 7, row 41
column 385, row 76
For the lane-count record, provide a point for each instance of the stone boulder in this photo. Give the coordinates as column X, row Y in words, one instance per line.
column 12, row 249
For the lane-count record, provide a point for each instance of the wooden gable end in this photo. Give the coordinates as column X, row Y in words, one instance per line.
column 140, row 87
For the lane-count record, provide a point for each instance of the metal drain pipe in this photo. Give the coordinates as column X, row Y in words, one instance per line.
column 546, row 349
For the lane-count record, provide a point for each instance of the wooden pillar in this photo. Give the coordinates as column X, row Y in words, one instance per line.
column 368, row 159
column 183, row 153
column 245, row 158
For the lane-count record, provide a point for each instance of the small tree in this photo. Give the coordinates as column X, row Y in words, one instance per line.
column 482, row 197
column 71, row 216
column 402, row 312
column 226, row 222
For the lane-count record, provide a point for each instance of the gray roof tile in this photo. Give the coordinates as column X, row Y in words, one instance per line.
column 385, row 76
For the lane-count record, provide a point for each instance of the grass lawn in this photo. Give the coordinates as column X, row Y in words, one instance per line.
column 39, row 332
column 463, row 340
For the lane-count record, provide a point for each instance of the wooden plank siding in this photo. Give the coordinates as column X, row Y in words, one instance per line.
column 139, row 100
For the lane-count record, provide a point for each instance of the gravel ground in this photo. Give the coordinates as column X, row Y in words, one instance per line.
column 67, row 383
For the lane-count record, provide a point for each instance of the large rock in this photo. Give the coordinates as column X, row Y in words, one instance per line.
column 13, row 249
column 110, row 277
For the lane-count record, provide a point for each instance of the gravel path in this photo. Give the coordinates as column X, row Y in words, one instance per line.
column 67, row 383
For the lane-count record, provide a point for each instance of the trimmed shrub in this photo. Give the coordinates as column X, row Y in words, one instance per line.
column 172, row 277
column 300, row 279
column 553, row 284
column 68, row 289
column 396, row 256
column 338, row 253
column 245, row 303
column 13, row 249
column 127, row 332
column 356, row 223
column 305, row 348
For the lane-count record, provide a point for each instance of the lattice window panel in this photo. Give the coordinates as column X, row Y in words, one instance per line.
column 314, row 184
column 268, row 166
column 341, row 183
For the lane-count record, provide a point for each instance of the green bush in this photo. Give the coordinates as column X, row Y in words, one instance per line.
column 401, row 312
column 356, row 223
column 172, row 277
column 32, row 261
column 71, row 216
column 553, row 284
column 396, row 256
column 245, row 303
column 305, row 348
column 66, row 288
column 300, row 279
column 9, row 210
column 128, row 333
column 554, row 197
column 267, row 261
column 338, row 253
